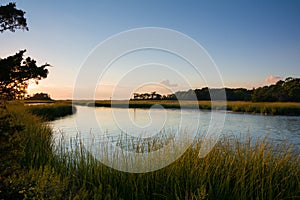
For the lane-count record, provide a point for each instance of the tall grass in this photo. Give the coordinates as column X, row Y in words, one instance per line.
column 26, row 149
column 52, row 111
column 274, row 108
column 232, row 170
column 265, row 108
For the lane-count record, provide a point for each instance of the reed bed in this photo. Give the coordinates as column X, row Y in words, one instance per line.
column 232, row 170
column 264, row 108
column 33, row 168
column 52, row 111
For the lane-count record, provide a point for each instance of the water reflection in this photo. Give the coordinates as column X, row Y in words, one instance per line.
column 93, row 123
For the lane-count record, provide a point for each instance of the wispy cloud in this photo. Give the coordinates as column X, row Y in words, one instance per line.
column 168, row 84
column 272, row 79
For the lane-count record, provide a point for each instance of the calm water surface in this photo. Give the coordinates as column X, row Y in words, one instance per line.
column 92, row 123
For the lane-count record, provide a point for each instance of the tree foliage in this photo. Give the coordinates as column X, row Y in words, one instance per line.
column 287, row 90
column 147, row 96
column 16, row 73
column 12, row 18
column 39, row 96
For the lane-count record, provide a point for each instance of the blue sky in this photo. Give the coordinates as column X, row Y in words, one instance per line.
column 249, row 41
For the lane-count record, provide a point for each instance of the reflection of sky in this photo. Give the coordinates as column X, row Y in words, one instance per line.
column 93, row 122
column 249, row 41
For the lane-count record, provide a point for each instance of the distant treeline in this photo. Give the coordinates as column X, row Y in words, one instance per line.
column 283, row 91
column 39, row 96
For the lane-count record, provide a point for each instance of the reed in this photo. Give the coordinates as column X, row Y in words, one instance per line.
column 264, row 108
column 26, row 148
column 52, row 111
column 231, row 170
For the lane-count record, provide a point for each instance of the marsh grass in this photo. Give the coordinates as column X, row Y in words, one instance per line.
column 26, row 149
column 52, row 111
column 265, row 108
column 231, row 170
column 37, row 101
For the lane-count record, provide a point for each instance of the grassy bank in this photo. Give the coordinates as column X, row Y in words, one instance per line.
column 274, row 108
column 52, row 111
column 232, row 170
column 265, row 108
column 26, row 149
column 37, row 101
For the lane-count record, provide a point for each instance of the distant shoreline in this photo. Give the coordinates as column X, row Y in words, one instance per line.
column 265, row 108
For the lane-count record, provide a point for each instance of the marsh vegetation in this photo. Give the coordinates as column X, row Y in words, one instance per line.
column 31, row 167
column 265, row 108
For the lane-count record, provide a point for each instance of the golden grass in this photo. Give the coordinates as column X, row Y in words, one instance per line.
column 266, row 108
column 232, row 170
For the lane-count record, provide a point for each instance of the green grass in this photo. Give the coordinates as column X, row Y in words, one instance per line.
column 265, row 108
column 30, row 169
column 52, row 111
column 26, row 147
column 274, row 108
column 37, row 101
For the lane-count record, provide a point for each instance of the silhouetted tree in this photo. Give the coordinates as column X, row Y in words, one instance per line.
column 287, row 90
column 11, row 18
column 146, row 96
column 136, row 96
column 39, row 96
column 16, row 73
column 153, row 95
column 158, row 97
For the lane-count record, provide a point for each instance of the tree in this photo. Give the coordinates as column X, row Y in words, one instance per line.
column 158, row 96
column 11, row 18
column 153, row 95
column 136, row 96
column 287, row 90
column 39, row 96
column 16, row 73
column 292, row 88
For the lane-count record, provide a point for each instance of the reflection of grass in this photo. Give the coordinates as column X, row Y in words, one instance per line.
column 144, row 144
column 232, row 170
column 276, row 108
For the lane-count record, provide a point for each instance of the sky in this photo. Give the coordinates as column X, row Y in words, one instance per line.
column 251, row 43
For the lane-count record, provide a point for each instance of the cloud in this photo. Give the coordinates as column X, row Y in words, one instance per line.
column 273, row 79
column 168, row 84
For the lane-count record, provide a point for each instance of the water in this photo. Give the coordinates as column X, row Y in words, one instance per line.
column 95, row 123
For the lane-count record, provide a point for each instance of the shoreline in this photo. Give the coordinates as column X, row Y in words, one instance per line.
column 263, row 108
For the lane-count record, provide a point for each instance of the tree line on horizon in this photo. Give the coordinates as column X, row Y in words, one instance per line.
column 287, row 90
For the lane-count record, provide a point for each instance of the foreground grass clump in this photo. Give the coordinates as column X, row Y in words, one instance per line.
column 232, row 170
column 26, row 156
column 52, row 111
column 32, row 168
